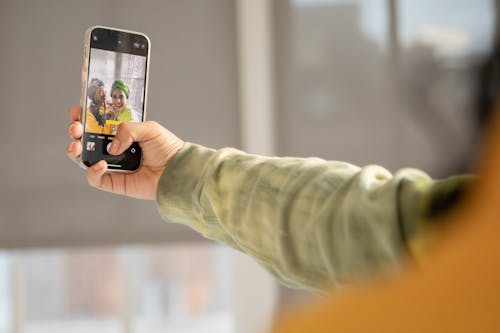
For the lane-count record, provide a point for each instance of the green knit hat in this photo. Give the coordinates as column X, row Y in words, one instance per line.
column 121, row 85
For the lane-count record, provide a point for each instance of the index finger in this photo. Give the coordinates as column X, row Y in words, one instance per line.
column 75, row 113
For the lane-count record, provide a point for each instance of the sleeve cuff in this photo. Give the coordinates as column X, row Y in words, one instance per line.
column 179, row 187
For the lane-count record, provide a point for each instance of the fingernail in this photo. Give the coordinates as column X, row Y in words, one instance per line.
column 115, row 145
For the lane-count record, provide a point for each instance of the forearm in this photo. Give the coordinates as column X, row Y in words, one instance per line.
column 310, row 222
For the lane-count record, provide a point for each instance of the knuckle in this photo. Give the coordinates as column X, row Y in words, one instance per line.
column 123, row 126
column 123, row 129
column 154, row 126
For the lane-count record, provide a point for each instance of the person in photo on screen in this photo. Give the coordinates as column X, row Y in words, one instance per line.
column 119, row 110
column 96, row 114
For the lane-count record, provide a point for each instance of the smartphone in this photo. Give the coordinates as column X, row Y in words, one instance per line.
column 114, row 90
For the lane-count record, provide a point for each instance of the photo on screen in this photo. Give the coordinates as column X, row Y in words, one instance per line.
column 115, row 91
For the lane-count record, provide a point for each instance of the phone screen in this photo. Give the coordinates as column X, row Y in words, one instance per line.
column 116, row 93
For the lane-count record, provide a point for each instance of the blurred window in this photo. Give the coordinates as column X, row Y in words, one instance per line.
column 178, row 288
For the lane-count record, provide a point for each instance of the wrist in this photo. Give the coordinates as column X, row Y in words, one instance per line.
column 174, row 148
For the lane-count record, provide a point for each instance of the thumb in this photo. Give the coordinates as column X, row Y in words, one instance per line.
column 130, row 132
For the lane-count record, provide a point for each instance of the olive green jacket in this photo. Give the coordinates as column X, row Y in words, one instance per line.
column 310, row 222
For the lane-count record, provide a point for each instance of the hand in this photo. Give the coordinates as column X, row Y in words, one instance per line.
column 158, row 145
column 111, row 111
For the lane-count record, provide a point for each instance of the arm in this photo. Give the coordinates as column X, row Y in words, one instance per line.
column 308, row 221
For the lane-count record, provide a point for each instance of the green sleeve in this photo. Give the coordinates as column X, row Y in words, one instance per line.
column 310, row 222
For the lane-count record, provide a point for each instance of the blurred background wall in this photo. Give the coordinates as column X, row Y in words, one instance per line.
column 365, row 81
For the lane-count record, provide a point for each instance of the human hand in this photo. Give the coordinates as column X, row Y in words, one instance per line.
column 111, row 111
column 158, row 146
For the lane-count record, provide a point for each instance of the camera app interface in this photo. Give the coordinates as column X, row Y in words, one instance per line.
column 115, row 92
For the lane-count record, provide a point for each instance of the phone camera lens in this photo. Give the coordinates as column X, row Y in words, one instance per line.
column 120, row 42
